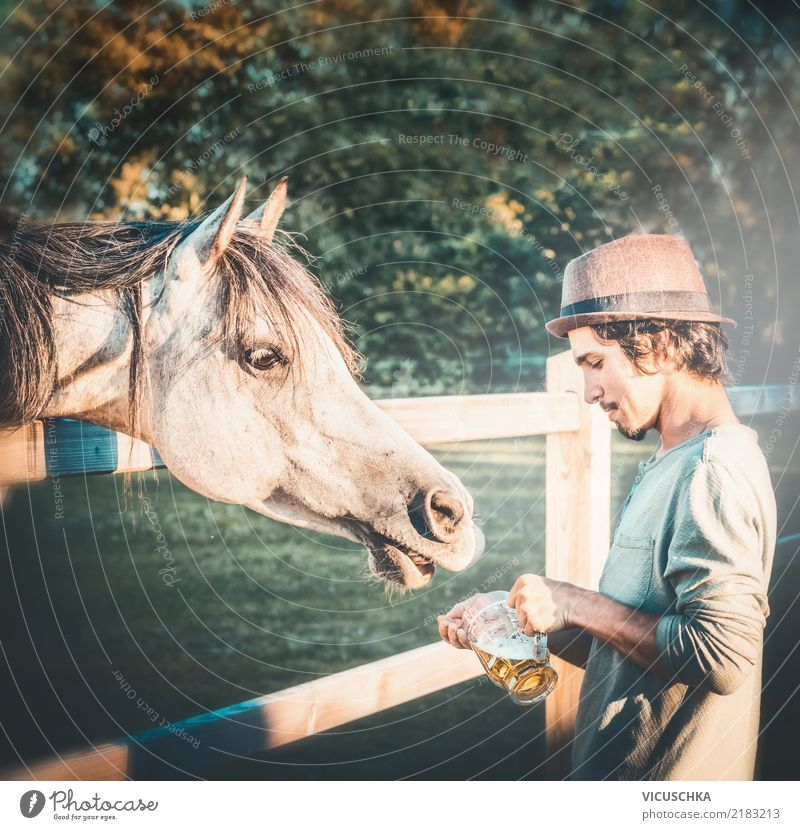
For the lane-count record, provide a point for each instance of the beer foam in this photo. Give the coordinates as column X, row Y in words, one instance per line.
column 506, row 648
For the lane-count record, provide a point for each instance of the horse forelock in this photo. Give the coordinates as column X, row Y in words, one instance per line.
column 267, row 280
column 256, row 277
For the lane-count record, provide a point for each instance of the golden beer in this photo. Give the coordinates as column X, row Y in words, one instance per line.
column 508, row 664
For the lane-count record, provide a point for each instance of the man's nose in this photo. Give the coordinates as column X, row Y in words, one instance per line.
column 592, row 392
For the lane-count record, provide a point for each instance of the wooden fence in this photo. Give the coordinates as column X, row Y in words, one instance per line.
column 578, row 512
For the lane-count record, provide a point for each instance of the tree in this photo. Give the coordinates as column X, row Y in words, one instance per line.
column 446, row 159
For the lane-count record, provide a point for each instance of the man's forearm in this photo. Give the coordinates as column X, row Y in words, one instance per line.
column 631, row 632
column 571, row 644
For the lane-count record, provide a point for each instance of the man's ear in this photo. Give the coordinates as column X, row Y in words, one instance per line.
column 664, row 351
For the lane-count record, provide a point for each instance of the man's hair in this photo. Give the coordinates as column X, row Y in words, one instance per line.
column 695, row 347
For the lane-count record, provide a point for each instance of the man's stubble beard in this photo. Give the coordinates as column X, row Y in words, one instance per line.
column 632, row 434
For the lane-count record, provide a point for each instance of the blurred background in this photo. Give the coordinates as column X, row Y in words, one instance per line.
column 446, row 159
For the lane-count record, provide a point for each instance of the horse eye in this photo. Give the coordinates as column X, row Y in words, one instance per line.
column 264, row 359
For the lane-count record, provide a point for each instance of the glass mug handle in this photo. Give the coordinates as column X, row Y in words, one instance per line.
column 541, row 653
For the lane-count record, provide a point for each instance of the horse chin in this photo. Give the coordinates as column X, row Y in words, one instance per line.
column 402, row 563
column 395, row 565
column 394, row 553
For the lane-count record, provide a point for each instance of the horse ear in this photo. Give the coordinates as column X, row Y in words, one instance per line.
column 213, row 235
column 269, row 214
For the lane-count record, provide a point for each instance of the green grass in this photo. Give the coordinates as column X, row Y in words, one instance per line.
column 258, row 607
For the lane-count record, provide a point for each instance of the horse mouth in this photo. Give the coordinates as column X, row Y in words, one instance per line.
column 395, row 563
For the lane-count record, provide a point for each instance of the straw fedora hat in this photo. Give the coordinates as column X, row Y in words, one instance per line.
column 637, row 277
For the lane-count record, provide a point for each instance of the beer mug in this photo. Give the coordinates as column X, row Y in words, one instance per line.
column 512, row 660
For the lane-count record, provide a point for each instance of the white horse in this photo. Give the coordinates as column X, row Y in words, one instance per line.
column 209, row 341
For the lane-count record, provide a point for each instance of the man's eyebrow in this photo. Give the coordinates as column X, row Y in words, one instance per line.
column 584, row 358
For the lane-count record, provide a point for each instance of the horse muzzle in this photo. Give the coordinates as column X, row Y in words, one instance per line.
column 436, row 530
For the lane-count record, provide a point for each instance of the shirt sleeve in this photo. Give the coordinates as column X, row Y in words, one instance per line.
column 715, row 566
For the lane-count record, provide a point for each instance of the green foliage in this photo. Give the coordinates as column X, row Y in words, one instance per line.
column 446, row 159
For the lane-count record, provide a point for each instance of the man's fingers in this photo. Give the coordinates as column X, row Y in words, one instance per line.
column 442, row 621
column 452, row 633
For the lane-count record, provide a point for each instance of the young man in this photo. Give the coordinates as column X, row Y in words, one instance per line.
column 672, row 642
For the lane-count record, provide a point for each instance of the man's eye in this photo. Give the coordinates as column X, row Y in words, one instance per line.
column 598, row 365
column 265, row 359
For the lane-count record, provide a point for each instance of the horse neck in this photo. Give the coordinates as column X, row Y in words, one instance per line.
column 93, row 352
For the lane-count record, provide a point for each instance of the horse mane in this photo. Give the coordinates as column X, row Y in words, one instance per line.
column 72, row 258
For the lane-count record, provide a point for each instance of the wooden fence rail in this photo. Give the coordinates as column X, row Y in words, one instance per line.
column 199, row 744
column 578, row 502
column 63, row 447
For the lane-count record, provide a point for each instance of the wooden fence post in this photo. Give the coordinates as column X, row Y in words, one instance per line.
column 578, row 510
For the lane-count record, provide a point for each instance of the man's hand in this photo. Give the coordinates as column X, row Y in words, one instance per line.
column 548, row 605
column 543, row 604
column 451, row 626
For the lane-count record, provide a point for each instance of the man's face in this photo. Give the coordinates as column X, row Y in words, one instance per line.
column 631, row 398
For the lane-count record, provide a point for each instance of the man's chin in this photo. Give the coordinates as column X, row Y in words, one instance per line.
column 632, row 434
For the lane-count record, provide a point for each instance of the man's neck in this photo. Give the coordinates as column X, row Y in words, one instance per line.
column 692, row 407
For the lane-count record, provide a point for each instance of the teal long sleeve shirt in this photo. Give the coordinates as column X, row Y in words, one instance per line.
column 694, row 544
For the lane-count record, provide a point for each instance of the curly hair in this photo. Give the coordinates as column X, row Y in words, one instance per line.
column 695, row 347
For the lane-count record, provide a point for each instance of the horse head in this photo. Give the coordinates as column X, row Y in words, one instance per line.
column 250, row 398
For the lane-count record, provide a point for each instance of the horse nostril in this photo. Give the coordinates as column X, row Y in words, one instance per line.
column 444, row 513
